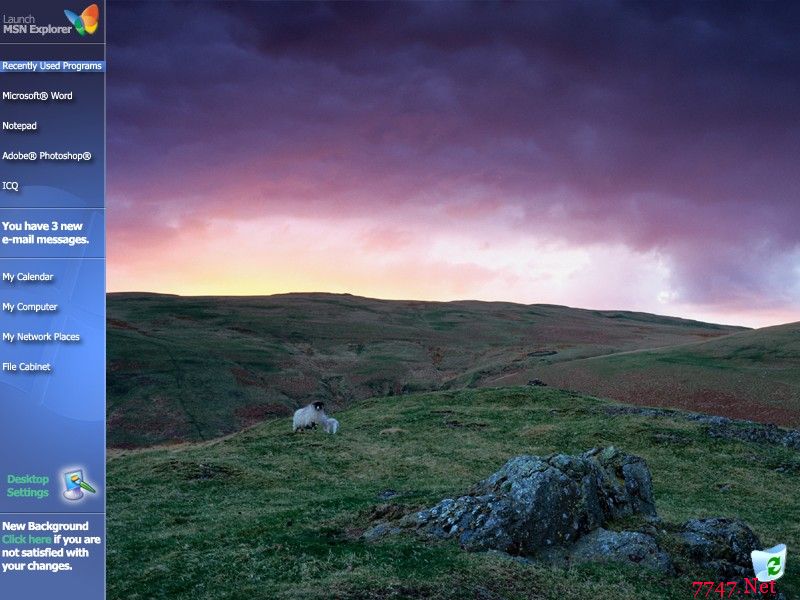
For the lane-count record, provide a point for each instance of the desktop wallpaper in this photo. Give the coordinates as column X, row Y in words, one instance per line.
column 539, row 261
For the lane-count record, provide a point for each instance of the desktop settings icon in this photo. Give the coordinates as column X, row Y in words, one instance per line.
column 75, row 484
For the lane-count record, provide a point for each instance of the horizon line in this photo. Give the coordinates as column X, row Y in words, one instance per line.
column 322, row 293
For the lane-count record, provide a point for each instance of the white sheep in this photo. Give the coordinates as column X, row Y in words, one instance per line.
column 309, row 417
column 331, row 425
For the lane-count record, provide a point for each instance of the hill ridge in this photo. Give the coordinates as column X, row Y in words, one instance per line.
column 196, row 367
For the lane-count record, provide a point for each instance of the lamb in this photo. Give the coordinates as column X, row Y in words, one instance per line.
column 331, row 425
column 309, row 417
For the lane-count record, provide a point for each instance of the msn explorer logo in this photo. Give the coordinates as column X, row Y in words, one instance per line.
column 88, row 20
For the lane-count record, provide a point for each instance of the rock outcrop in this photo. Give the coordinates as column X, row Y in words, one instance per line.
column 533, row 502
column 563, row 509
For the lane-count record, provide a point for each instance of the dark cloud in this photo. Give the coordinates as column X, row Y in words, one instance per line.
column 668, row 126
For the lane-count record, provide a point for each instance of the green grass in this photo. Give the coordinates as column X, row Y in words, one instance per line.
column 195, row 368
column 267, row 514
column 752, row 375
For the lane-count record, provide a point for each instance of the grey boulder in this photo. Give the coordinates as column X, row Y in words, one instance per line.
column 533, row 502
column 719, row 544
column 633, row 547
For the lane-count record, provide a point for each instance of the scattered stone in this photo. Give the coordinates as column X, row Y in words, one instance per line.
column 755, row 433
column 721, row 427
column 391, row 431
column 380, row 530
column 633, row 547
column 537, row 383
column 388, row 494
column 789, row 468
column 721, row 545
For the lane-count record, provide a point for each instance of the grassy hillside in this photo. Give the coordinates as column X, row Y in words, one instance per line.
column 183, row 368
column 264, row 514
column 750, row 375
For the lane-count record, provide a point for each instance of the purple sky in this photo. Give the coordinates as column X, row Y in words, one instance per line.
column 604, row 155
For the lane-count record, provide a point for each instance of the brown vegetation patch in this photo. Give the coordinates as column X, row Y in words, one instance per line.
column 538, row 429
column 246, row 378
column 124, row 365
column 537, row 353
column 254, row 413
column 437, row 356
column 242, row 330
column 162, row 419
column 295, row 386
column 120, row 324
column 389, row 512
